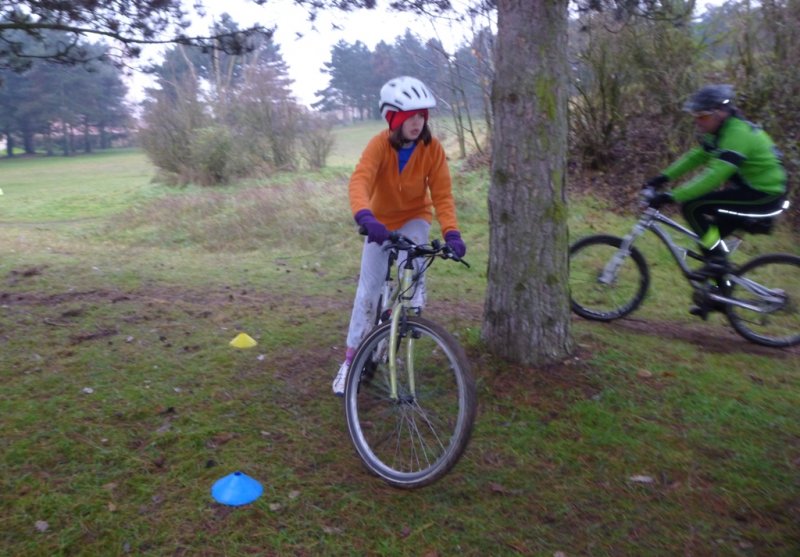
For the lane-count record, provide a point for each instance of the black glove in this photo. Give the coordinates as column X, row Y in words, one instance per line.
column 660, row 199
column 655, row 182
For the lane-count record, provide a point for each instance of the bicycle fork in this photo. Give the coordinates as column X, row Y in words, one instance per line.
column 609, row 274
column 394, row 340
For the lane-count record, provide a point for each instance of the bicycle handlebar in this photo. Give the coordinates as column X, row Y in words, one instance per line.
column 404, row 243
column 646, row 196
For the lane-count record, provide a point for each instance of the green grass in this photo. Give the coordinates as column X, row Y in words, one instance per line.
column 121, row 401
column 351, row 140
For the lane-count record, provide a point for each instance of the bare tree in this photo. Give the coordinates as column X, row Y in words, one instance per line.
column 57, row 29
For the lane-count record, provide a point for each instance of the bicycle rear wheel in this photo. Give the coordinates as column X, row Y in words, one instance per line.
column 771, row 285
column 595, row 300
column 415, row 439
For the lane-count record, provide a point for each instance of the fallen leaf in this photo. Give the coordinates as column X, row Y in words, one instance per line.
column 503, row 490
column 275, row 507
column 223, row 438
column 42, row 526
column 497, row 488
column 294, row 494
column 519, row 547
column 644, row 374
column 641, row 479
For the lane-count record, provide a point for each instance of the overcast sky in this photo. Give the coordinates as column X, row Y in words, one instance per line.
column 306, row 47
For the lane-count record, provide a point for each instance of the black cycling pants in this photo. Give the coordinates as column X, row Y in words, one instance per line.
column 703, row 212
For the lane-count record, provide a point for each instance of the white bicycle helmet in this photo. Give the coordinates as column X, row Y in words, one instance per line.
column 405, row 93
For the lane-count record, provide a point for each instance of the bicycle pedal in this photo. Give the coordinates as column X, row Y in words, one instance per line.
column 699, row 311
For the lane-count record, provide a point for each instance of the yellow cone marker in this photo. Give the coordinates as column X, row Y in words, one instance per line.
column 243, row 340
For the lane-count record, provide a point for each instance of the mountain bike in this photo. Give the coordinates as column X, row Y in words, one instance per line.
column 609, row 278
column 409, row 396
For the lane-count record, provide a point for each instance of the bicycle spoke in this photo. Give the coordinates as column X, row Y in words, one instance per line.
column 417, row 437
column 770, row 287
column 621, row 291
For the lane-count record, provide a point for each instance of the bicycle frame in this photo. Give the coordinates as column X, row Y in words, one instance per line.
column 650, row 220
column 401, row 301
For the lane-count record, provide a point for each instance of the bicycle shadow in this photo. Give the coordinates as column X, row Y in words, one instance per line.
column 711, row 339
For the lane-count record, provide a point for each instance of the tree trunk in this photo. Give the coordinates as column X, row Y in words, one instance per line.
column 28, row 140
column 9, row 143
column 87, row 137
column 527, row 314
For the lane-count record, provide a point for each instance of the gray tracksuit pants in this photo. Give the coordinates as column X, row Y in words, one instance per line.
column 373, row 272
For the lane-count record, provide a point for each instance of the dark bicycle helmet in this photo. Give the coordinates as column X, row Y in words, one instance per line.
column 710, row 97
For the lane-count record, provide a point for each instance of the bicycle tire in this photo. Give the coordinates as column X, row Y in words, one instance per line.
column 605, row 302
column 415, row 440
column 778, row 325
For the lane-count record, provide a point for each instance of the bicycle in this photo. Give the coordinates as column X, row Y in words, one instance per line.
column 409, row 396
column 609, row 278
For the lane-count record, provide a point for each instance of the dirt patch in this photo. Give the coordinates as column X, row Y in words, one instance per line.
column 710, row 339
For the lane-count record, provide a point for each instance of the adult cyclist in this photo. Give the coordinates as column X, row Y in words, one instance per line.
column 742, row 175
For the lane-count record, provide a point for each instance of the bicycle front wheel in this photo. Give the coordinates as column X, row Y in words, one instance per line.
column 621, row 293
column 416, row 437
column 770, row 286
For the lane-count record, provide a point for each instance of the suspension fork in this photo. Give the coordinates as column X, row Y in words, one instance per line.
column 611, row 268
column 405, row 282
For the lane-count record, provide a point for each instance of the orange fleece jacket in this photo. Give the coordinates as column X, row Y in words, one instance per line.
column 394, row 197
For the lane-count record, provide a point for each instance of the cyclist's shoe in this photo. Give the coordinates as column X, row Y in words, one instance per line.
column 700, row 311
column 338, row 382
column 703, row 305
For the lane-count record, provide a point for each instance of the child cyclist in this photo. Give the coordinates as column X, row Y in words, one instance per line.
column 400, row 180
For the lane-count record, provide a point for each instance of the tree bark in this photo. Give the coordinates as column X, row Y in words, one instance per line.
column 526, row 313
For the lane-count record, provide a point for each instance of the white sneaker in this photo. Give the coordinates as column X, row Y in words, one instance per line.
column 338, row 383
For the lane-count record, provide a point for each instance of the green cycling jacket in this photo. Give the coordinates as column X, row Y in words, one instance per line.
column 739, row 152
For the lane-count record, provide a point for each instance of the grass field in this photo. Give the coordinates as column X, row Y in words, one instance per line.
column 121, row 401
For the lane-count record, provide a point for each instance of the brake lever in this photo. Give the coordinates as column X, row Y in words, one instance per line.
column 448, row 253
